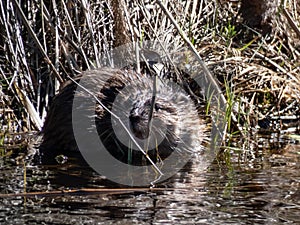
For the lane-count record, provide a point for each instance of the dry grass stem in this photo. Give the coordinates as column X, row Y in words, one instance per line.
column 257, row 69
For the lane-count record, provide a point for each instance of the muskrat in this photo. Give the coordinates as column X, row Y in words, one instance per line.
column 176, row 123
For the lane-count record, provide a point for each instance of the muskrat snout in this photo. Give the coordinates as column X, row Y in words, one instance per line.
column 139, row 123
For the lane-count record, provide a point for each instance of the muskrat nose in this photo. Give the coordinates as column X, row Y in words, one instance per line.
column 138, row 126
column 134, row 118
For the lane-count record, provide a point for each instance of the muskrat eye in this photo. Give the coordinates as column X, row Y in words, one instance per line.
column 157, row 106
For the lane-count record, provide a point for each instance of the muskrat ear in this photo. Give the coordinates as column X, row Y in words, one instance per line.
column 181, row 99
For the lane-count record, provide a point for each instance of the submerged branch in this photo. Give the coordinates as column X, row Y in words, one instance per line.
column 85, row 191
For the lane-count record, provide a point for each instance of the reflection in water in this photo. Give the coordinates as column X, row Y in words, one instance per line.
column 237, row 190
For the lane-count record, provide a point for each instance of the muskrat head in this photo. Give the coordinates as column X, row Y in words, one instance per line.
column 160, row 127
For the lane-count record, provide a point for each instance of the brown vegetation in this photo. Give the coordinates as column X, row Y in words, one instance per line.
column 44, row 42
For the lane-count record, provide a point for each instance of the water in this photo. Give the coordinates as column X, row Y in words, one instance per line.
column 248, row 188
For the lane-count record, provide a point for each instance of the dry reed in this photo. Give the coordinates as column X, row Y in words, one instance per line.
column 44, row 42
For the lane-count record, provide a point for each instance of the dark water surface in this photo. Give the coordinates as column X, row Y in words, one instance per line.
column 248, row 188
